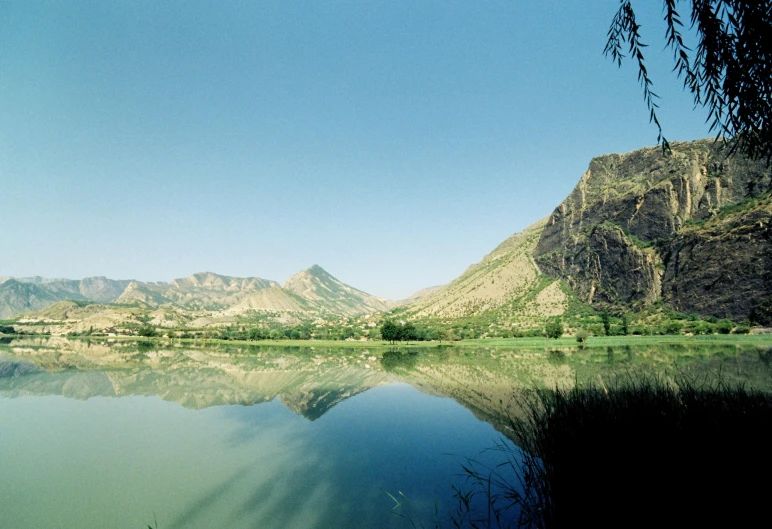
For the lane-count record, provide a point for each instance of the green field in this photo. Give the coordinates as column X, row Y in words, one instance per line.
column 512, row 343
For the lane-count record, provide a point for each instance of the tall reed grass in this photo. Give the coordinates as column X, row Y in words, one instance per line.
column 634, row 452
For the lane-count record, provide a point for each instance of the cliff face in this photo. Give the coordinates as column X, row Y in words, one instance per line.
column 723, row 267
column 626, row 235
column 605, row 266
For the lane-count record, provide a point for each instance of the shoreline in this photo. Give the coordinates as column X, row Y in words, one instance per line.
column 517, row 343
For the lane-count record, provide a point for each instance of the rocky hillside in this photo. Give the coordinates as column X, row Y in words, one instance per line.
column 201, row 291
column 325, row 293
column 645, row 226
column 506, row 280
column 723, row 266
column 19, row 295
column 205, row 298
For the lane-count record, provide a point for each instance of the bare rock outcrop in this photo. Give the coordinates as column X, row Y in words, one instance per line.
column 627, row 235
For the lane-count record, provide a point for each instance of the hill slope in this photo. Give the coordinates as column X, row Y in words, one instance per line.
column 324, row 292
column 17, row 297
column 201, row 291
column 506, row 280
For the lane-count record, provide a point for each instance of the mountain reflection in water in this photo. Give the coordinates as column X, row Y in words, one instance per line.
column 311, row 380
column 278, row 437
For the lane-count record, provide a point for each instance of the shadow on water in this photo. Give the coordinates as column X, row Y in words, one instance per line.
column 637, row 451
column 291, row 499
column 204, row 503
column 330, row 474
column 299, row 493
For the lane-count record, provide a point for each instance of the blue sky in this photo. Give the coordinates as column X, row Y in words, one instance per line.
column 394, row 143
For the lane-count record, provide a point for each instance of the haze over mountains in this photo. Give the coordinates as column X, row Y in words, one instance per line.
column 311, row 290
column 692, row 229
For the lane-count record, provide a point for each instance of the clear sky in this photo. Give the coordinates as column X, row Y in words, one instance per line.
column 394, row 143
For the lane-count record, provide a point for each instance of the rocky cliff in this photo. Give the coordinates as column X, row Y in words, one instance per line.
column 723, row 266
column 645, row 226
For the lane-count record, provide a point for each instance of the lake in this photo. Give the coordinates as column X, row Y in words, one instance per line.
column 125, row 434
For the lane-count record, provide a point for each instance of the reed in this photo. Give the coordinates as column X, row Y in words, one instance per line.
column 635, row 451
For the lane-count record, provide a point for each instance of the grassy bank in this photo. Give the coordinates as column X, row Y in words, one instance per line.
column 635, row 453
column 614, row 341
column 762, row 340
column 514, row 343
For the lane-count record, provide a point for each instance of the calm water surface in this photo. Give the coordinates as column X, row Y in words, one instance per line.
column 119, row 435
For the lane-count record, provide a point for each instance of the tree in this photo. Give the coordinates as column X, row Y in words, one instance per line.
column 604, row 317
column 554, row 328
column 729, row 72
column 256, row 333
column 390, row 331
column 407, row 332
column 147, row 331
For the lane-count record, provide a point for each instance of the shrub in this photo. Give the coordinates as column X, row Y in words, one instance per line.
column 148, row 331
column 671, row 327
column 554, row 328
column 581, row 335
column 724, row 326
column 702, row 327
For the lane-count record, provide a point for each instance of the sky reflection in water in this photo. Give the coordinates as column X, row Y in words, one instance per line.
column 120, row 462
column 263, row 437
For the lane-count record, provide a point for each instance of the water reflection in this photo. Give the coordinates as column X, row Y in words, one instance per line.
column 311, row 381
column 274, row 437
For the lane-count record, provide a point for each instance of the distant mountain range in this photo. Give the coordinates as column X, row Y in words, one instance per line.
column 311, row 290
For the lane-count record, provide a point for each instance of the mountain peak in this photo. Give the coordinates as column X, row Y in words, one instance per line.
column 321, row 289
column 316, row 270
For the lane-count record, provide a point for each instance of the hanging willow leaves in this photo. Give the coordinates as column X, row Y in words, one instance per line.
column 729, row 72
